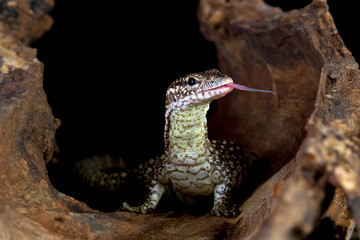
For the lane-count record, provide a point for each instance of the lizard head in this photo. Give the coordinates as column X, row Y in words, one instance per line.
column 202, row 87
column 195, row 88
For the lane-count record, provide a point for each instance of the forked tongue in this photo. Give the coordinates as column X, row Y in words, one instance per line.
column 244, row 88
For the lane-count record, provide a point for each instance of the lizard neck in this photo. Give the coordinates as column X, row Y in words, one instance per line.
column 186, row 136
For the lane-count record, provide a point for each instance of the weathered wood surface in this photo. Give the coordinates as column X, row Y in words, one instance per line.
column 315, row 117
column 307, row 134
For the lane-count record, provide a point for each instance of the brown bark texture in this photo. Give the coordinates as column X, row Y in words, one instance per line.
column 307, row 136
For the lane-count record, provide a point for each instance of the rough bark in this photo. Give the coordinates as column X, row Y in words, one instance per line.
column 315, row 116
column 308, row 133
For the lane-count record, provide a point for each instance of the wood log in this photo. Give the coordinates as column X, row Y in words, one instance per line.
column 315, row 116
column 306, row 137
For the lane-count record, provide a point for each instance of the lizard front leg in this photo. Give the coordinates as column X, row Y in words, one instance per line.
column 155, row 191
column 222, row 204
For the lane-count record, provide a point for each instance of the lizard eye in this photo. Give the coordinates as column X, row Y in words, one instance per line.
column 192, row 81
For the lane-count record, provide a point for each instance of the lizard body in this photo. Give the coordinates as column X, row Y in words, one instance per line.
column 192, row 164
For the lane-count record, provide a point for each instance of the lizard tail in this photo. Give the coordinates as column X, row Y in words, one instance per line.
column 107, row 173
column 102, row 172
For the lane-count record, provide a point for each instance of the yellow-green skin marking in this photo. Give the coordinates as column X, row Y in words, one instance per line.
column 194, row 165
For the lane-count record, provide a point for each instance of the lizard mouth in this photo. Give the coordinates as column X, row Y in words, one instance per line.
column 228, row 87
column 222, row 87
column 225, row 88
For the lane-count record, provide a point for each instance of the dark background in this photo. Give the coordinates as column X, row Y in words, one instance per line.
column 108, row 65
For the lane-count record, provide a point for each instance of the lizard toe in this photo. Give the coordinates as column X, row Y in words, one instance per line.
column 230, row 211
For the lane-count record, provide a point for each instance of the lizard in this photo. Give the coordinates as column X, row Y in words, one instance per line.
column 191, row 164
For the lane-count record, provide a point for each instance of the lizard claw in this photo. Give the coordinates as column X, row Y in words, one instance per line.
column 139, row 209
column 230, row 211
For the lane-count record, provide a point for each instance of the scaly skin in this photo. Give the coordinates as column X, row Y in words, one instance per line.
column 192, row 164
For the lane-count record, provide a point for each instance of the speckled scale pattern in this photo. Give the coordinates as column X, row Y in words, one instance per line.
column 105, row 172
column 230, row 156
column 92, row 172
column 228, row 168
column 192, row 164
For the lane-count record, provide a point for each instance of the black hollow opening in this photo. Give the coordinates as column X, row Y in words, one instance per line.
column 288, row 5
column 107, row 68
column 106, row 74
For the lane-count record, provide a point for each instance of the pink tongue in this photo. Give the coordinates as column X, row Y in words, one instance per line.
column 244, row 88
